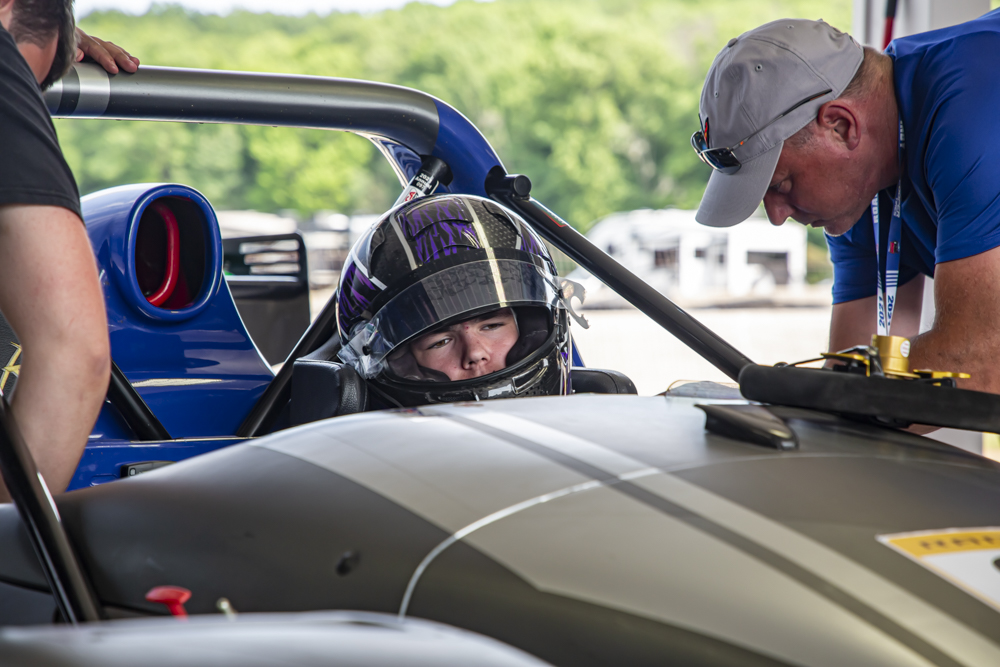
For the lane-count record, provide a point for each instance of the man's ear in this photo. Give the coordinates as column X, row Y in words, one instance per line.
column 6, row 12
column 840, row 119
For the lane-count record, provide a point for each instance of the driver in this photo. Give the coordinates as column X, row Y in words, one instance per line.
column 453, row 298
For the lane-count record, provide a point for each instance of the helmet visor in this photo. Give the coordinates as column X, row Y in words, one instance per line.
column 446, row 295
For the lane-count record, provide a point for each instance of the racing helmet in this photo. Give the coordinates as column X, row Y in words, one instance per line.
column 437, row 261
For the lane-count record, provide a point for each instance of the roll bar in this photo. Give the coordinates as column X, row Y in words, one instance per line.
column 404, row 115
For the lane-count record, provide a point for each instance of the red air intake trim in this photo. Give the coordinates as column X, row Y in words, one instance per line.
column 173, row 255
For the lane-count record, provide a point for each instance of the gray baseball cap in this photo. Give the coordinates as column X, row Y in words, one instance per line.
column 756, row 78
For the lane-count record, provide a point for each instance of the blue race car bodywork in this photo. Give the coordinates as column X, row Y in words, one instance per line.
column 194, row 365
column 191, row 358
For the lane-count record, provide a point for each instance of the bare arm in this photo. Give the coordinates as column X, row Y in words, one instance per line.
column 853, row 322
column 50, row 294
column 966, row 332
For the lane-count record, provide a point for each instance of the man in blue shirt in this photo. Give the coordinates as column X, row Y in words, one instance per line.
column 797, row 114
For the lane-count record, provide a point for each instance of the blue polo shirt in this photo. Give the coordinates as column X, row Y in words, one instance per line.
column 948, row 91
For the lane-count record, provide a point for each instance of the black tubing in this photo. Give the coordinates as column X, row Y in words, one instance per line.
column 133, row 409
column 72, row 591
column 513, row 191
column 895, row 402
column 407, row 116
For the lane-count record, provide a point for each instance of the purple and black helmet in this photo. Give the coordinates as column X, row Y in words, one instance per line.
column 436, row 261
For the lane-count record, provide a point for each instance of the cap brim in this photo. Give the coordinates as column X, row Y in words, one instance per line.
column 730, row 199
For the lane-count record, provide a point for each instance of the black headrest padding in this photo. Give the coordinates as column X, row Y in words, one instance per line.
column 600, row 381
column 323, row 389
column 328, row 350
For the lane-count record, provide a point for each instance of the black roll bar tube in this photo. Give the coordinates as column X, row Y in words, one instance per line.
column 69, row 585
column 514, row 191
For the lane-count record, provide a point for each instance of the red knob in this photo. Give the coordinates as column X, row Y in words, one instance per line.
column 172, row 596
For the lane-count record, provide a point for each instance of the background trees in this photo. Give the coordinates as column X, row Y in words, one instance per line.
column 594, row 99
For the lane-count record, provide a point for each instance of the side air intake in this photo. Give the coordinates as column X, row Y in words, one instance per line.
column 162, row 247
column 169, row 255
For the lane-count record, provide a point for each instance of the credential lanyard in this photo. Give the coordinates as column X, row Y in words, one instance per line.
column 887, row 285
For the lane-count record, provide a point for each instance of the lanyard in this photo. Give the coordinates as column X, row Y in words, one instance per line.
column 887, row 285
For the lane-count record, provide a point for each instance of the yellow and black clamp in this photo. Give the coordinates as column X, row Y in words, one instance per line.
column 894, row 352
column 887, row 356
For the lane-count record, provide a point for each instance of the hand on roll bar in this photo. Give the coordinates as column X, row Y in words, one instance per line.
column 106, row 54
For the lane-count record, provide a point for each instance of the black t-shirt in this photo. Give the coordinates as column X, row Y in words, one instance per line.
column 32, row 167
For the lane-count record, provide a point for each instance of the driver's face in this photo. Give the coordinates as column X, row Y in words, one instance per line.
column 468, row 349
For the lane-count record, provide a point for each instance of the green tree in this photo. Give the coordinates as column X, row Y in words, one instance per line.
column 594, row 99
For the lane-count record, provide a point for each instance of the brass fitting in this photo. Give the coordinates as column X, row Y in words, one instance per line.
column 888, row 356
column 894, row 352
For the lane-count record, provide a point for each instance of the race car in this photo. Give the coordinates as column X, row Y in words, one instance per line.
column 193, row 345
column 788, row 523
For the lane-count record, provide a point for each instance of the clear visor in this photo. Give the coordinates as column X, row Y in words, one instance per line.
column 446, row 295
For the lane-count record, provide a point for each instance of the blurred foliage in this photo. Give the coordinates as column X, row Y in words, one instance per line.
column 594, row 99
column 818, row 265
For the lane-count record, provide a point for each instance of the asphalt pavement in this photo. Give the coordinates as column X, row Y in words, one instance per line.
column 628, row 341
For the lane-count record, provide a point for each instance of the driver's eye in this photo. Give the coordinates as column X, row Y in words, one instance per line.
column 439, row 343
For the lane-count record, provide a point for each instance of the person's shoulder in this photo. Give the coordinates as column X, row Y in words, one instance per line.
column 12, row 63
column 969, row 47
column 954, row 47
column 948, row 73
column 33, row 170
column 19, row 92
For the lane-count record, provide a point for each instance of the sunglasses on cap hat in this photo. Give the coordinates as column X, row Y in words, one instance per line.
column 722, row 159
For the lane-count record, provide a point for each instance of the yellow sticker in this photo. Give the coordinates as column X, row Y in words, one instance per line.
column 12, row 368
column 967, row 557
column 991, row 446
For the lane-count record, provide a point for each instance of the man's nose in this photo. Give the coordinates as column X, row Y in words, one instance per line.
column 778, row 210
